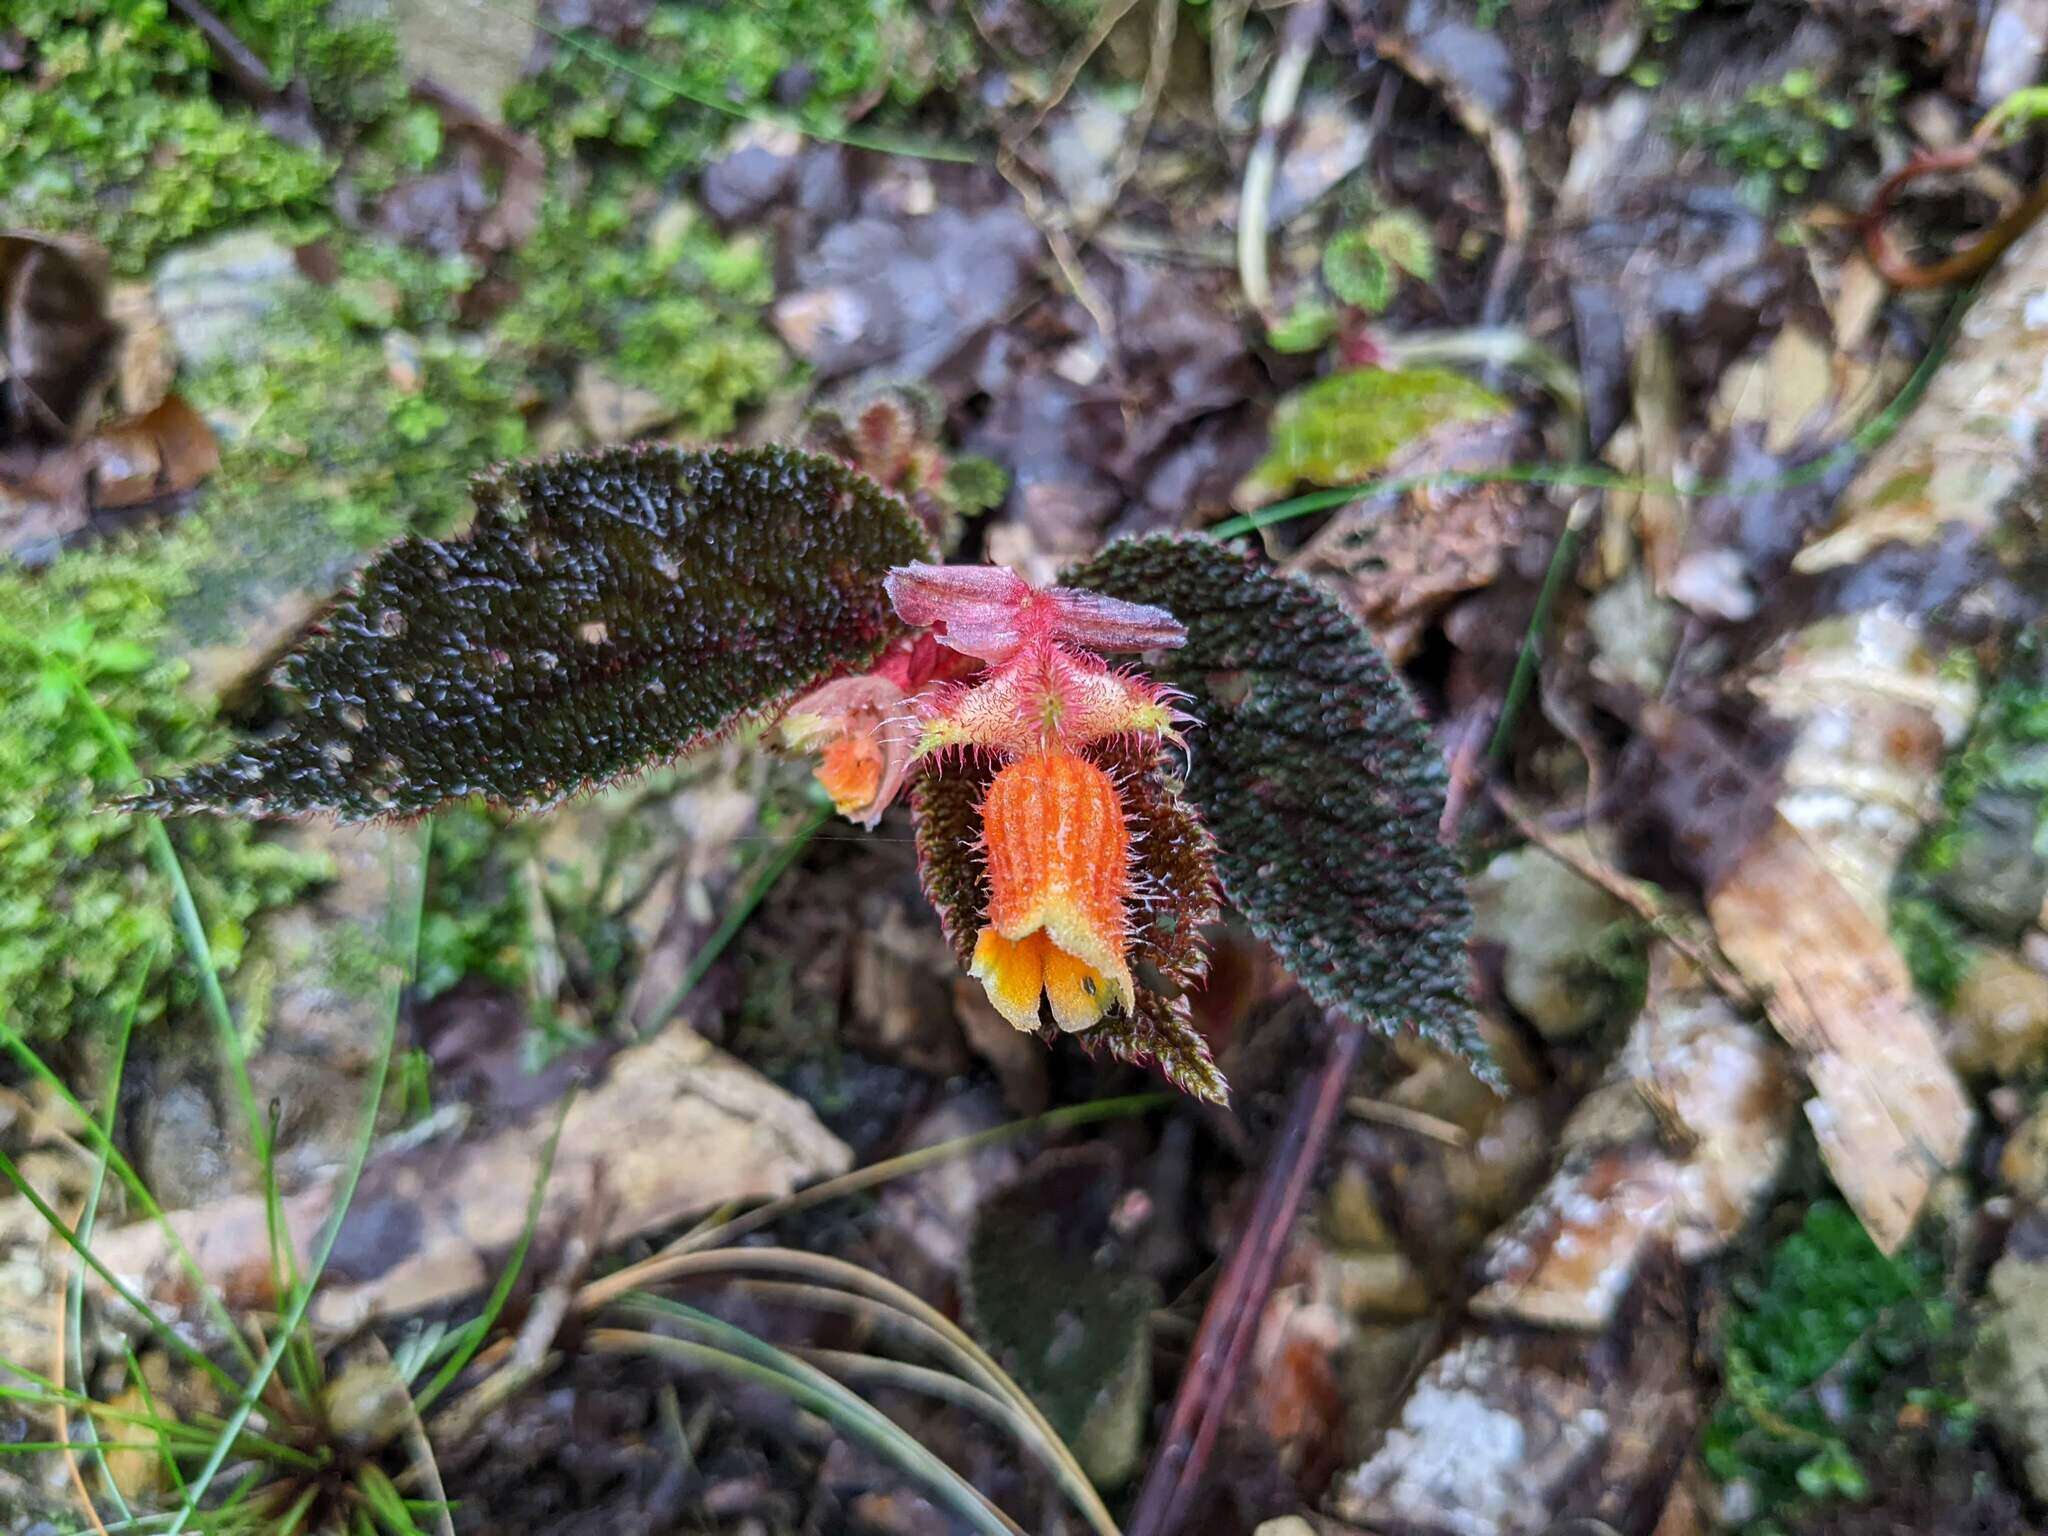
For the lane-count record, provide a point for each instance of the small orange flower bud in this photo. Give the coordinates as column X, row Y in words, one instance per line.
column 850, row 769
column 858, row 728
column 1059, row 876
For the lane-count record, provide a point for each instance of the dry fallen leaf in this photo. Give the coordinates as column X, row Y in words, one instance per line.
column 1887, row 1110
column 166, row 452
column 56, row 340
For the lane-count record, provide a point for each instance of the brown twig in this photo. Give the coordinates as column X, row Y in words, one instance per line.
column 1902, row 271
column 1230, row 1322
column 1686, row 937
column 250, row 74
column 1165, row 20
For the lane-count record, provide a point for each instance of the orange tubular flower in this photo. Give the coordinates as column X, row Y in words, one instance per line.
column 1059, row 875
column 1054, row 833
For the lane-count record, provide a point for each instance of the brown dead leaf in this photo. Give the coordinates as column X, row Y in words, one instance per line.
column 56, row 340
column 164, row 453
column 1404, row 558
column 1887, row 1109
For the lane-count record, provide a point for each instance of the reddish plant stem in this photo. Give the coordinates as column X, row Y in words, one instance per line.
column 1230, row 1322
column 1960, row 266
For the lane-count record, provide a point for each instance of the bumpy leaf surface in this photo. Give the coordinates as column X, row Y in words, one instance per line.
column 607, row 610
column 1318, row 778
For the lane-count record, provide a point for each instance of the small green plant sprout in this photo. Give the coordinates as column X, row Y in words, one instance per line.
column 1364, row 265
column 1779, row 137
column 611, row 610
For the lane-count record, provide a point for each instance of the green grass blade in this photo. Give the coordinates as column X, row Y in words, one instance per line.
column 406, row 918
column 163, row 1330
column 749, row 1359
column 479, row 1329
column 132, row 1182
column 74, row 1294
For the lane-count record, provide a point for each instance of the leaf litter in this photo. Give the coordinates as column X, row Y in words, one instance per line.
column 1711, row 615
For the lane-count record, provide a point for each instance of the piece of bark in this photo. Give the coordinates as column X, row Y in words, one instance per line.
column 1800, row 906
column 1969, row 448
column 1674, row 1149
column 1508, row 1433
column 1887, row 1110
column 675, row 1127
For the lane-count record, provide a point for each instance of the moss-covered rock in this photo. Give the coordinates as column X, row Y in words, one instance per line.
column 81, row 908
column 117, row 133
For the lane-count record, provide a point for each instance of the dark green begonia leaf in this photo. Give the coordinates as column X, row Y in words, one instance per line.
column 606, row 611
column 1317, row 776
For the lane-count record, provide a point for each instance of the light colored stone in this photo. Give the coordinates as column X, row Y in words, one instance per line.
column 676, row 1127
column 476, row 48
column 2008, row 1369
column 1998, row 1020
column 612, row 412
column 1552, row 924
column 215, row 296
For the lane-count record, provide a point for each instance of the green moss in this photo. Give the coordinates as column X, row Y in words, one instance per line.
column 116, row 134
column 1343, row 429
column 1826, row 1340
column 474, row 922
column 1931, row 939
column 2006, row 754
column 2008, row 744
column 373, row 435
column 735, row 52
column 1781, row 136
column 660, row 303
column 80, row 905
column 351, row 70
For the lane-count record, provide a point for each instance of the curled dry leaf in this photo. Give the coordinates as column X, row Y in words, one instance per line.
column 1676, row 1148
column 1970, row 447
column 1800, row 906
column 56, row 339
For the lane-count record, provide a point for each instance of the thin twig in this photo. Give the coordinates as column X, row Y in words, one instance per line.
column 1402, row 1118
column 1165, row 19
column 1208, row 1386
column 1298, row 37
column 1688, row 938
column 1959, row 266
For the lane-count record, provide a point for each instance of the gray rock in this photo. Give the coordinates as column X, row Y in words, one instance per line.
column 185, row 1158
column 214, row 296
column 2008, row 1369
column 1554, row 927
column 1999, row 879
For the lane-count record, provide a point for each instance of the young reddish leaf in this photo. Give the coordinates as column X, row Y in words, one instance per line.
column 1319, row 779
column 990, row 612
column 607, row 611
